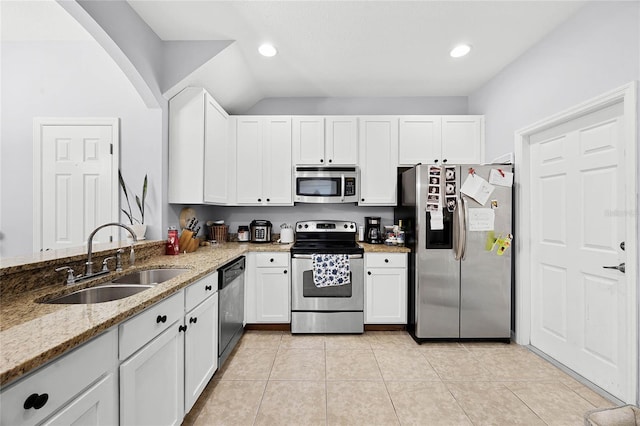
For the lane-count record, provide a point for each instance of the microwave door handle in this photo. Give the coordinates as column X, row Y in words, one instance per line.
column 342, row 187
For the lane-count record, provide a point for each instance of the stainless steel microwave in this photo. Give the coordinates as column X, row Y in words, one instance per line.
column 326, row 184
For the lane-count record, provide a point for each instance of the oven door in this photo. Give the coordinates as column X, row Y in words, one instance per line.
column 305, row 296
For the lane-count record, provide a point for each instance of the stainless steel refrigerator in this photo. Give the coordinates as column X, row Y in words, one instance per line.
column 461, row 264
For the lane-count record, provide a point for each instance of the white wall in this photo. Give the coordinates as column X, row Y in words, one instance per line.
column 595, row 51
column 361, row 106
column 69, row 79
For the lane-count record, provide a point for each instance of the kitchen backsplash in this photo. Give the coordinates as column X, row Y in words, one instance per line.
column 236, row 216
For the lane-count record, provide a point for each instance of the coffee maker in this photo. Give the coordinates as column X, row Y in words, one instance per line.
column 372, row 231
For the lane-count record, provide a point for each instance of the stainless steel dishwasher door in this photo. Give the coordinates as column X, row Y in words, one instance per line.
column 230, row 307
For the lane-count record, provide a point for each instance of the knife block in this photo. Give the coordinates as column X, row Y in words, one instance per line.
column 187, row 242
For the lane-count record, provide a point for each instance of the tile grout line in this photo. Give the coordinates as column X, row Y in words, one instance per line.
column 526, row 405
column 264, row 391
column 384, row 382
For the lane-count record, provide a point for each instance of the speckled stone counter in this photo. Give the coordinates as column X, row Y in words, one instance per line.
column 32, row 333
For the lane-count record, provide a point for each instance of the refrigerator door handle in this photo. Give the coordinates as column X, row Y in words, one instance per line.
column 463, row 227
column 459, row 232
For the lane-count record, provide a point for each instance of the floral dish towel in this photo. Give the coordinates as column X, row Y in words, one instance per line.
column 331, row 269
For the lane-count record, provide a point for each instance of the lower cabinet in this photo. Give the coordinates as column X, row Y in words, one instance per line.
column 200, row 349
column 77, row 388
column 268, row 288
column 385, row 288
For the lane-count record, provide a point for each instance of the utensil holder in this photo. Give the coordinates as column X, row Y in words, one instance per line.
column 219, row 233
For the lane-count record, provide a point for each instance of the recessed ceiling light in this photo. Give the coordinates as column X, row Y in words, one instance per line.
column 267, row 50
column 460, row 50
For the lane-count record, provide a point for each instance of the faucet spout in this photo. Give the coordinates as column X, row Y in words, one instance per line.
column 89, row 264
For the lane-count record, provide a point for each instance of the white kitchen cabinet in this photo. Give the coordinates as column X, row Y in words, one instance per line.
column 201, row 337
column 378, row 156
column 325, row 141
column 385, row 288
column 68, row 383
column 200, row 158
column 264, row 171
column 152, row 376
column 268, row 288
column 152, row 381
column 463, row 139
column 452, row 139
column 98, row 406
column 419, row 140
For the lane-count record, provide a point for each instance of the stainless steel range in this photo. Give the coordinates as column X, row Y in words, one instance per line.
column 332, row 308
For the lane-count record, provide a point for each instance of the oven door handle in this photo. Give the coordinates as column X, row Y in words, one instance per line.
column 308, row 256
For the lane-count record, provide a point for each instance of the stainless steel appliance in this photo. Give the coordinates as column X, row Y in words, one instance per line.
column 460, row 287
column 230, row 307
column 332, row 309
column 326, row 184
column 260, row 231
column 372, row 230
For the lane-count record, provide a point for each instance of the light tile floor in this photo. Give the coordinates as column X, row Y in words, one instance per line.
column 385, row 378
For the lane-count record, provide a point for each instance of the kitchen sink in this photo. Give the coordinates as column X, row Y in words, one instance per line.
column 99, row 294
column 150, row 276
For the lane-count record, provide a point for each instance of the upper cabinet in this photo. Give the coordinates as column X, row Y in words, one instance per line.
column 200, row 158
column 264, row 170
column 378, row 160
column 453, row 139
column 325, row 141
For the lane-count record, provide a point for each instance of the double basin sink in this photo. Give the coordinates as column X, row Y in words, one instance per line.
column 125, row 286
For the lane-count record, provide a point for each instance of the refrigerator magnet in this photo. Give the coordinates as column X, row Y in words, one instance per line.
column 494, row 204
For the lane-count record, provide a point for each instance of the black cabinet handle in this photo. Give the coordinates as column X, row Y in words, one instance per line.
column 444, row 161
column 182, row 328
column 268, row 200
column 161, row 318
column 259, row 200
column 386, row 261
column 361, row 199
column 36, row 401
column 271, row 260
column 435, row 161
column 322, row 160
column 193, row 320
column 285, row 271
column 207, row 287
column 330, row 160
column 368, row 272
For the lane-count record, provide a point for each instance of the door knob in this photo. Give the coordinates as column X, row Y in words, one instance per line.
column 622, row 245
column 620, row 267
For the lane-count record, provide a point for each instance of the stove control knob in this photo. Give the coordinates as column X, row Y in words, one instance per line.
column 306, row 225
column 351, row 226
column 346, row 226
column 299, row 226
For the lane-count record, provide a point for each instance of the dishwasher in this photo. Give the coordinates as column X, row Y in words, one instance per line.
column 230, row 307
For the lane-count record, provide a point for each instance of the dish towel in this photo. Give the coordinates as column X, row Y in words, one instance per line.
column 331, row 269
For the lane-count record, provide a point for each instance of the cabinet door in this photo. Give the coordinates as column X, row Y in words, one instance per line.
column 341, row 140
column 97, row 406
column 216, row 153
column 419, row 140
column 462, row 139
column 249, row 165
column 200, row 349
column 385, row 294
column 152, row 382
column 378, row 161
column 277, row 171
column 308, row 140
column 273, row 295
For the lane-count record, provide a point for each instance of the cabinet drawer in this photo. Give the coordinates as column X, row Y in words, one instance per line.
column 136, row 332
column 385, row 260
column 60, row 380
column 197, row 292
column 272, row 259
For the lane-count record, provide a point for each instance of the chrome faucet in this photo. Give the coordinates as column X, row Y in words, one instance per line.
column 89, row 264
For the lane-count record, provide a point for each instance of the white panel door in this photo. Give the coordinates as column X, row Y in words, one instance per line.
column 308, row 140
column 277, row 171
column 77, row 184
column 216, row 153
column 249, row 165
column 579, row 310
column 419, row 140
column 385, row 292
column 273, row 295
column 378, row 161
column 341, row 144
column 462, row 139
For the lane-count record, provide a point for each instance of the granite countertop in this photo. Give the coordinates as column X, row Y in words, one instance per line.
column 31, row 333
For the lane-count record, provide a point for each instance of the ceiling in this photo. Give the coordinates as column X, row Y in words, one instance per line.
column 329, row 48
column 352, row 48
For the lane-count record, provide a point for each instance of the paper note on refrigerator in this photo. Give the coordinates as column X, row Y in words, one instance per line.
column 437, row 220
column 477, row 188
column 481, row 219
column 500, row 177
